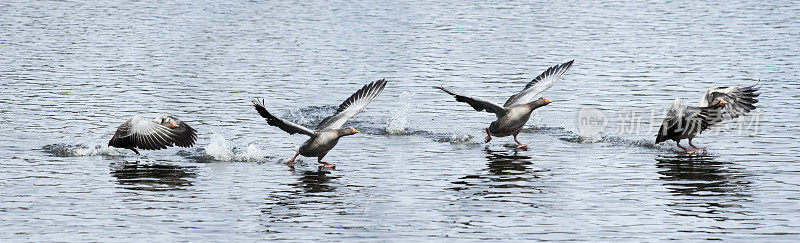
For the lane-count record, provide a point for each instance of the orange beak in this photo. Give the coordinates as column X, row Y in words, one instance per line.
column 546, row 101
column 355, row 131
column 722, row 102
column 174, row 125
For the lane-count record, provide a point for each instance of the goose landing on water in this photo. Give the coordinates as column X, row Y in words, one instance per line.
column 327, row 134
column 160, row 133
column 513, row 115
column 717, row 105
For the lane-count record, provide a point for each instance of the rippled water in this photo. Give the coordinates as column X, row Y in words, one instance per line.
column 70, row 72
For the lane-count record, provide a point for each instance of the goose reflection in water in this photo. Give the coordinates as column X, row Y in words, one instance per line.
column 703, row 187
column 505, row 169
column 153, row 177
column 312, row 193
column 315, row 181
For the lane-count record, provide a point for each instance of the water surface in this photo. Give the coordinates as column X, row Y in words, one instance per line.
column 71, row 72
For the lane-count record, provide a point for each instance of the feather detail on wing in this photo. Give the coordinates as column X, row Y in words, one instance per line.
column 352, row 105
column 539, row 84
column 739, row 101
column 143, row 134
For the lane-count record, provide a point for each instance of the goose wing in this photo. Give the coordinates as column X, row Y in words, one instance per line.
column 144, row 134
column 539, row 84
column 479, row 104
column 286, row 126
column 352, row 105
column 185, row 136
column 739, row 100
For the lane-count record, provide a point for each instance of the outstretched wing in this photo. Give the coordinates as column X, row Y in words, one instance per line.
column 286, row 126
column 539, row 84
column 353, row 105
column 185, row 136
column 739, row 101
column 479, row 104
column 140, row 133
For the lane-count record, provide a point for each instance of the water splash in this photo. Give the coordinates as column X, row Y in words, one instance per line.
column 80, row 150
column 458, row 136
column 220, row 149
column 574, row 137
column 462, row 137
column 397, row 123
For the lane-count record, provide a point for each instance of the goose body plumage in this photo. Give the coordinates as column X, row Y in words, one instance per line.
column 320, row 144
column 510, row 124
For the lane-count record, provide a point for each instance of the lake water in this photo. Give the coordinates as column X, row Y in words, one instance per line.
column 72, row 71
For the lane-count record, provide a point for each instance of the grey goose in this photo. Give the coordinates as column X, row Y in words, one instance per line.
column 516, row 111
column 717, row 105
column 327, row 133
column 162, row 132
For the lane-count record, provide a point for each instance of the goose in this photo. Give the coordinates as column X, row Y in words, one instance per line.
column 516, row 111
column 162, row 132
column 327, row 133
column 717, row 105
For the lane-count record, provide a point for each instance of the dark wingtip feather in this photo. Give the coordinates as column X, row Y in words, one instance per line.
column 382, row 84
column 567, row 65
column 373, row 88
column 660, row 137
column 664, row 134
column 188, row 138
column 445, row 90
column 758, row 84
column 558, row 68
column 259, row 105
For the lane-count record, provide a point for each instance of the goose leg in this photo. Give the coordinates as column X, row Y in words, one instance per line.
column 696, row 148
column 688, row 151
column 519, row 145
column 290, row 160
column 134, row 150
column 488, row 135
column 325, row 164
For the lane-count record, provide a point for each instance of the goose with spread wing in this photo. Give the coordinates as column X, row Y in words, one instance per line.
column 326, row 135
column 516, row 111
column 717, row 105
column 160, row 133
